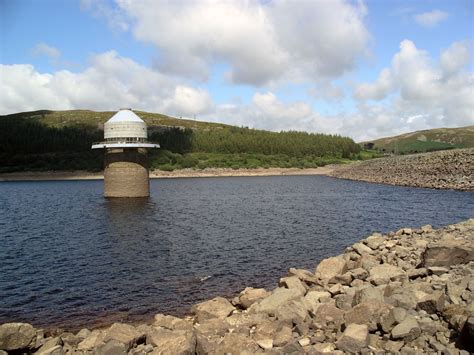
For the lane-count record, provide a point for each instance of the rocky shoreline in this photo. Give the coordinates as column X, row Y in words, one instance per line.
column 406, row 292
column 448, row 169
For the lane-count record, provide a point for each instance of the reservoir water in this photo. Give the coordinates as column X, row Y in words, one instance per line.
column 71, row 258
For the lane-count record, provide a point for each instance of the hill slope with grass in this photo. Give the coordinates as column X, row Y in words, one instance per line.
column 425, row 141
column 61, row 140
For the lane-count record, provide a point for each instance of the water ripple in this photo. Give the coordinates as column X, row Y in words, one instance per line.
column 71, row 258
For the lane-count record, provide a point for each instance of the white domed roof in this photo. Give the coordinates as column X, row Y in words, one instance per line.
column 125, row 115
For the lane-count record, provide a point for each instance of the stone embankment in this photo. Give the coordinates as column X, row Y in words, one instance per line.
column 407, row 292
column 449, row 169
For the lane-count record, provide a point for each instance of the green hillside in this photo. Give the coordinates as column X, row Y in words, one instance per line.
column 425, row 141
column 61, row 140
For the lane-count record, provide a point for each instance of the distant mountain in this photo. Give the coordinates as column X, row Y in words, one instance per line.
column 425, row 141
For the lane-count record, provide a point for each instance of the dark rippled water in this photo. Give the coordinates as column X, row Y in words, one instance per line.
column 70, row 258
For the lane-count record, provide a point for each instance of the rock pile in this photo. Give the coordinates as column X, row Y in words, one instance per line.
column 406, row 292
column 449, row 169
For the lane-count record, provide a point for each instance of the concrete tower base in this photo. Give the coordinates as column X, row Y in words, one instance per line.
column 126, row 173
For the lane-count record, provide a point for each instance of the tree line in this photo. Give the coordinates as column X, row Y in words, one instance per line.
column 28, row 144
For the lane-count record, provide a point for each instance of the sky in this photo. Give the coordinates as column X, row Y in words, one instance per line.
column 364, row 69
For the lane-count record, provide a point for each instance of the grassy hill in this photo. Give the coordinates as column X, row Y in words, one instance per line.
column 425, row 141
column 59, row 119
column 61, row 140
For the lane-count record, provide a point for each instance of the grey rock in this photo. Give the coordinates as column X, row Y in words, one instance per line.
column 393, row 347
column 218, row 307
column 213, row 326
column 369, row 313
column 49, row 344
column 265, row 343
column 448, row 251
column 112, row 347
column 329, row 314
column 293, row 282
column 278, row 298
column 330, row 267
column 172, row 323
column 367, row 262
column 344, row 279
column 94, row 339
column 313, row 300
column 293, row 311
column 205, row 345
column 83, row 333
column 123, row 333
column 168, row 341
column 437, row 270
column 407, row 330
column 17, row 336
column 324, row 348
column 382, row 274
column 368, row 293
column 304, row 275
column 416, row 273
column 394, row 317
column 283, row 336
column 237, row 343
column 359, row 273
column 55, row 350
column 293, row 347
column 362, row 249
column 374, row 241
column 354, row 338
column 251, row 295
column 429, row 302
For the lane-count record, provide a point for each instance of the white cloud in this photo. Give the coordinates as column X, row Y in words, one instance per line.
column 456, row 57
column 431, row 19
column 43, row 49
column 109, row 82
column 115, row 18
column 377, row 90
column 425, row 93
column 261, row 41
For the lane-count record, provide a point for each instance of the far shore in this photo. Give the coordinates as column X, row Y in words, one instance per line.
column 159, row 174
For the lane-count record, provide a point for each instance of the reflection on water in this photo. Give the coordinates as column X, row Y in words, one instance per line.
column 71, row 258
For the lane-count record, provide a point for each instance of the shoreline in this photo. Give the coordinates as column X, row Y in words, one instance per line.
column 407, row 291
column 159, row 174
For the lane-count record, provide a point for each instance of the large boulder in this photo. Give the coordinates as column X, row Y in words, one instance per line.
column 304, row 275
column 123, row 333
column 329, row 315
column 369, row 313
column 179, row 342
column 94, row 339
column 293, row 282
column 448, row 251
column 407, row 330
column 17, row 336
column 292, row 312
column 251, row 295
column 382, row 274
column 112, row 347
column 236, row 343
column 354, row 338
column 218, row 307
column 278, row 298
column 330, row 267
column 429, row 302
column 171, row 322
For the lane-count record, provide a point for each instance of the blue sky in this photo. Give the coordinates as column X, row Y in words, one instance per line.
column 363, row 69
